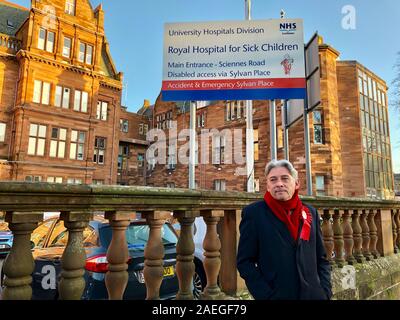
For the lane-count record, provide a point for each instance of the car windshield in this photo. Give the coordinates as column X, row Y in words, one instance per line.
column 137, row 236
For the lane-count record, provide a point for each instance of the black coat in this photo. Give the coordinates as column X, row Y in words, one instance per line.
column 273, row 265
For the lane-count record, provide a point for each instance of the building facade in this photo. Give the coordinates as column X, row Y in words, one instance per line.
column 349, row 138
column 60, row 107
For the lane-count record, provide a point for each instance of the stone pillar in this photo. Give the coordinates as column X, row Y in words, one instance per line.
column 73, row 260
column 117, row 255
column 185, row 253
column 229, row 278
column 397, row 220
column 154, row 254
column 327, row 234
column 394, row 231
column 365, row 235
column 384, row 226
column 357, row 236
column 373, row 233
column 19, row 264
column 212, row 261
column 338, row 239
column 348, row 237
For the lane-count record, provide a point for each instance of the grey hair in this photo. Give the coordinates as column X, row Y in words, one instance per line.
column 281, row 164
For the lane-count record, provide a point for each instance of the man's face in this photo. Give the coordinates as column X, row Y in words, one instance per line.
column 281, row 185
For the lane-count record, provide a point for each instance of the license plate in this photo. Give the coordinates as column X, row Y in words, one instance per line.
column 167, row 272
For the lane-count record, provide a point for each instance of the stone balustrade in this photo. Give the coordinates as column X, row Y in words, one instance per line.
column 354, row 231
column 11, row 44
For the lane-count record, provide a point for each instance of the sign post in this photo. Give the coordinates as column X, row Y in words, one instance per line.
column 249, row 126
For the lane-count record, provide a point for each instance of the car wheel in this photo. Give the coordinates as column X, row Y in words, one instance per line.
column 199, row 280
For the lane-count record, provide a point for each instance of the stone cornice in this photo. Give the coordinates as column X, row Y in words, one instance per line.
column 104, row 81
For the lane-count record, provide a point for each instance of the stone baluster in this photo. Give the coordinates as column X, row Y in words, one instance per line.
column 338, row 238
column 365, row 235
column 212, row 261
column 373, row 233
column 154, row 254
column 397, row 219
column 327, row 233
column 357, row 236
column 348, row 237
column 19, row 265
column 72, row 282
column 394, row 230
column 117, row 255
column 185, row 253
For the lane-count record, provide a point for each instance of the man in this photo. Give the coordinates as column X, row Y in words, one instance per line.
column 281, row 255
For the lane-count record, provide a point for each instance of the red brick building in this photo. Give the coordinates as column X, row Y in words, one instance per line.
column 349, row 136
column 60, row 109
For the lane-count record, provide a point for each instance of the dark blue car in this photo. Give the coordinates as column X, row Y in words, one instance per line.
column 50, row 239
column 6, row 239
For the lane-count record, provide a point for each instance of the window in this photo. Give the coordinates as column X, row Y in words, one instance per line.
column 201, row 120
column 219, row 149
column 98, row 182
column 62, row 97
column 70, row 7
column 280, row 137
column 219, row 185
column 123, row 154
column 33, row 178
column 10, row 24
column 54, row 179
column 124, row 125
column 145, row 129
column 171, row 157
column 37, row 139
column 74, row 181
column 2, row 132
column 77, row 147
column 228, row 111
column 101, row 113
column 67, row 47
column 170, row 185
column 85, row 53
column 41, row 92
column 140, row 160
column 318, row 134
column 257, row 185
column 99, row 150
column 151, row 164
column 46, row 40
column 81, row 101
column 57, row 143
column 256, row 146
column 320, row 185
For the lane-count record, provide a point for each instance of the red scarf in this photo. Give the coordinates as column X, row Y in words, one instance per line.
column 281, row 210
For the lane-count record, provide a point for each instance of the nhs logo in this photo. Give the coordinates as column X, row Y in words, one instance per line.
column 287, row 27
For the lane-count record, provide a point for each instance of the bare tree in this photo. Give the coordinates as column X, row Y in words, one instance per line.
column 395, row 101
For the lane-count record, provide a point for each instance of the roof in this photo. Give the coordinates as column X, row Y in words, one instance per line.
column 146, row 111
column 13, row 14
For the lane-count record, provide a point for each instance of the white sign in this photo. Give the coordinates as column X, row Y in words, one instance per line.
column 243, row 60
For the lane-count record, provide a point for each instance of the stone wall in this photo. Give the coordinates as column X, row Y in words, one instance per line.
column 374, row 280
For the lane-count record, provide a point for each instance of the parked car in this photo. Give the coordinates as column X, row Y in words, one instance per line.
column 50, row 239
column 6, row 239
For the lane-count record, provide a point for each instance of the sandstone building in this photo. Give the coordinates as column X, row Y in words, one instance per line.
column 60, row 105
column 349, row 136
